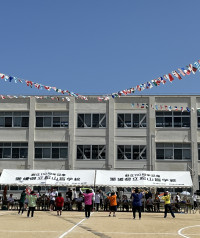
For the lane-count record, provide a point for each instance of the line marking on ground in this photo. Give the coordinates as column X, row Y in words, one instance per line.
column 180, row 231
column 64, row 234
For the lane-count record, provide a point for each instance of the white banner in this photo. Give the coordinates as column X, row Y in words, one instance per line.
column 48, row 177
column 143, row 178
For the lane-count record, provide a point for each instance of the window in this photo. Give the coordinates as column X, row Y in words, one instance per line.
column 198, row 117
column 92, row 120
column 52, row 119
column 13, row 150
column 14, row 119
column 131, row 152
column 128, row 120
column 172, row 119
column 51, row 150
column 91, row 152
column 173, row 151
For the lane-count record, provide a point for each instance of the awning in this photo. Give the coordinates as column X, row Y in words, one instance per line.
column 143, row 178
column 110, row 178
column 48, row 177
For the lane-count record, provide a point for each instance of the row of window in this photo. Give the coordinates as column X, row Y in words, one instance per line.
column 164, row 151
column 97, row 120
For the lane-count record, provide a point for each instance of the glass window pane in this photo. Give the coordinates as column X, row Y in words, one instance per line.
column 120, row 152
column 38, row 153
column 56, row 122
column 25, row 121
column 6, row 152
column 95, row 152
column 160, row 154
column 64, row 121
column 136, row 152
column 39, row 121
column 168, row 122
column 177, row 122
column 17, row 121
column 46, row 153
column 168, row 153
column 2, row 121
column 186, row 122
column 64, row 153
column 128, row 152
column 187, row 154
column 55, row 153
column 103, row 120
column 15, row 153
column 80, row 120
column 120, row 120
column 87, row 120
column 1, row 152
column 95, row 120
column 143, row 152
column 79, row 151
column 177, row 154
column 159, row 121
column 102, row 151
column 47, row 121
column 23, row 152
column 135, row 120
column 127, row 120
column 87, row 151
column 8, row 121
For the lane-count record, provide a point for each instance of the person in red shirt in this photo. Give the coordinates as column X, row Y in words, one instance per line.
column 59, row 204
column 113, row 203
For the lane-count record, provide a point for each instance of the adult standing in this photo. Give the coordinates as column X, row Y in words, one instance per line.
column 59, row 204
column 21, row 202
column 97, row 200
column 194, row 197
column 32, row 198
column 88, row 201
column 167, row 198
column 137, row 202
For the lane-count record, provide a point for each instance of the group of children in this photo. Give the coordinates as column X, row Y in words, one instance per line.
column 88, row 195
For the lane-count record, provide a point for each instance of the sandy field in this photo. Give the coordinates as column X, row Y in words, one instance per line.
column 73, row 224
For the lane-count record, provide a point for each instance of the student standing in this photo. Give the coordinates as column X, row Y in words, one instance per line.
column 59, row 204
column 88, row 201
column 137, row 202
column 166, row 198
column 21, row 202
column 113, row 203
column 32, row 198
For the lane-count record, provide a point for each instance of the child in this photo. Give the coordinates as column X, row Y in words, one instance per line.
column 113, row 203
column 59, row 204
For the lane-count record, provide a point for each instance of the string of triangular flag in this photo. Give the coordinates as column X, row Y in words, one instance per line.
column 162, row 107
column 37, row 97
column 161, row 80
column 148, row 85
column 31, row 84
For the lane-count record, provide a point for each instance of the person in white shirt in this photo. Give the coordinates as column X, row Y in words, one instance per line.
column 97, row 200
column 53, row 194
column 194, row 197
column 10, row 201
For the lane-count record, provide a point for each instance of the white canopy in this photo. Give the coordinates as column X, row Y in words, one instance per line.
column 48, row 177
column 111, row 178
column 143, row 178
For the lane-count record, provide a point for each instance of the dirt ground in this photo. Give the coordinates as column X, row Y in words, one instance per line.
column 73, row 224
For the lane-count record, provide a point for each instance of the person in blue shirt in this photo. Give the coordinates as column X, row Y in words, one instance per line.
column 137, row 202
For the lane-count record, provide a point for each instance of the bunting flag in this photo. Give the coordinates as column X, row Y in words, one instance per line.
column 163, row 79
column 183, row 71
column 162, row 107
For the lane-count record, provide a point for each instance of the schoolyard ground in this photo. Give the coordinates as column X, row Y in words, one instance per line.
column 73, row 224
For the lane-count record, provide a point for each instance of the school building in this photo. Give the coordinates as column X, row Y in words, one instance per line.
column 155, row 133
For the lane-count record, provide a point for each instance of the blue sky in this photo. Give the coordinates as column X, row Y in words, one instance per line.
column 98, row 47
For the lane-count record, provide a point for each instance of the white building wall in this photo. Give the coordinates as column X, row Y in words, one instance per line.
column 111, row 136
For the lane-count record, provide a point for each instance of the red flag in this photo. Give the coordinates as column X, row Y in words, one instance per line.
column 170, row 78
